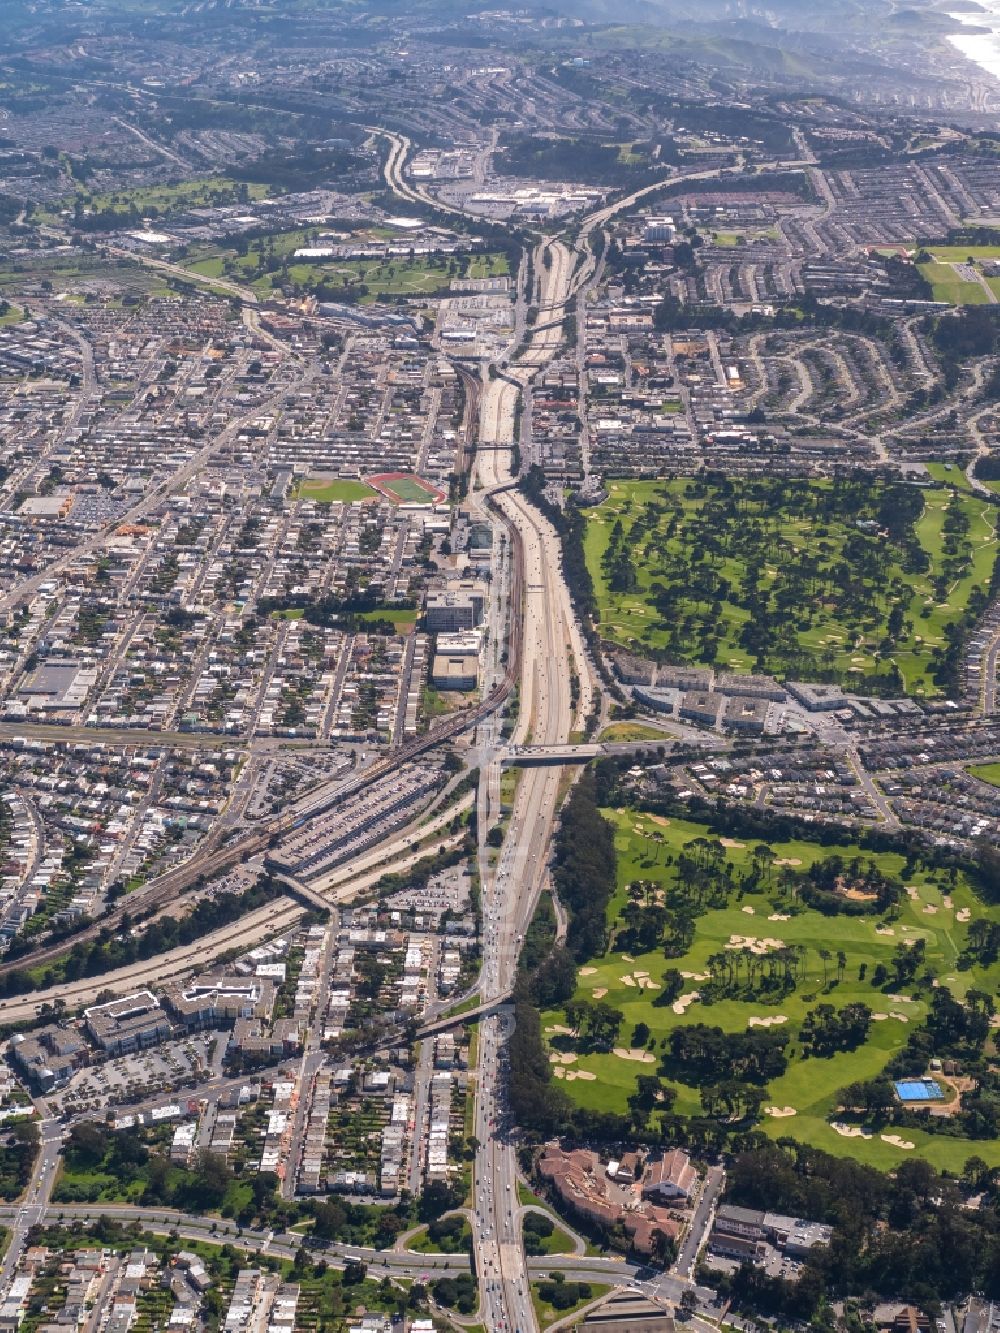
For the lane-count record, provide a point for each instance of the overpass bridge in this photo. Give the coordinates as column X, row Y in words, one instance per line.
column 437, row 1025
column 308, row 896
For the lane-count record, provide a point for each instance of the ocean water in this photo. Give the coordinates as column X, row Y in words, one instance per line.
column 983, row 48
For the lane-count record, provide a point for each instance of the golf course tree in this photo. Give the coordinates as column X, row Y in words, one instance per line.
column 699, row 1054
column 584, row 873
column 826, row 1030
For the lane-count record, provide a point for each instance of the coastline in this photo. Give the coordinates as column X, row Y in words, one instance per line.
column 980, row 42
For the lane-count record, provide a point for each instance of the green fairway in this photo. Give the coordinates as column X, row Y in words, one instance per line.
column 840, row 958
column 341, row 489
column 853, row 581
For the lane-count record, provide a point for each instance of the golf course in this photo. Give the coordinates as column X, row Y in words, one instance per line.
column 742, row 937
column 861, row 584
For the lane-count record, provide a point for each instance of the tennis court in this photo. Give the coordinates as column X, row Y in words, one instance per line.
column 918, row 1090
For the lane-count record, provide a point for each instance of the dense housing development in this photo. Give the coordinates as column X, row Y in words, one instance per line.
column 499, row 645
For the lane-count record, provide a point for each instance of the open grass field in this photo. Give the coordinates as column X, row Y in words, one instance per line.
column 342, row 489
column 948, row 285
column 933, row 909
column 781, row 575
column 162, row 200
column 987, row 773
column 270, row 265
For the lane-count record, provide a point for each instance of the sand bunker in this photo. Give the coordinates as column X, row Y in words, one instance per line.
column 912, row 893
column 896, row 1014
column 571, row 1074
column 646, row 983
column 635, row 1053
column 946, row 900
column 930, row 910
column 963, row 914
column 748, row 910
column 884, row 930
column 879, row 1018
column 902, row 999
column 770, row 1021
column 896, row 1141
column 559, row 1030
column 778, row 916
column 587, row 971
column 696, row 976
column 850, row 1131
column 779, row 1112
column 627, row 958
column 658, row 819
column 731, row 842
column 600, row 992
column 628, row 979
column 788, row 861
column 567, row 1058
column 755, row 945
column 681, row 1004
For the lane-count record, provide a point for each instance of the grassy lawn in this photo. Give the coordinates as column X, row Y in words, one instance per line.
column 13, row 315
column 547, row 1314
column 780, row 574
column 932, row 909
column 270, row 264
column 556, row 1243
column 631, row 731
column 987, row 772
column 946, row 285
column 341, row 489
column 215, row 191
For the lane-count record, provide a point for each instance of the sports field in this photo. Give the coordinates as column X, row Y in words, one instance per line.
column 987, row 773
column 342, row 489
column 837, row 960
column 407, row 489
column 800, row 578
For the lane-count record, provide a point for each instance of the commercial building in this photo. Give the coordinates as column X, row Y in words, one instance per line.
column 129, row 1024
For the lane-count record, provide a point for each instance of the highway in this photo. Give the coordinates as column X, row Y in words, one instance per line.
column 551, row 652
